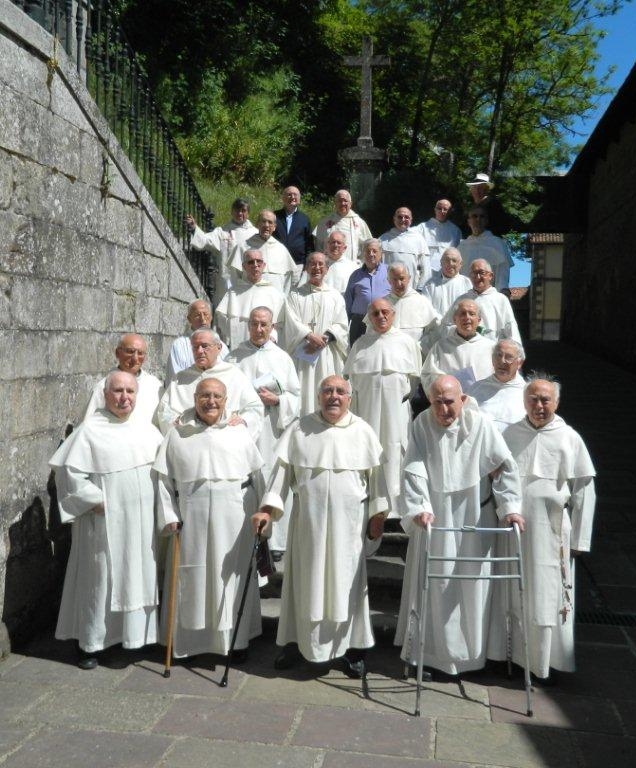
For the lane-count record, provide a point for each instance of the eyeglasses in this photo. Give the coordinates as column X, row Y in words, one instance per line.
column 480, row 272
column 381, row 313
column 505, row 358
column 250, row 262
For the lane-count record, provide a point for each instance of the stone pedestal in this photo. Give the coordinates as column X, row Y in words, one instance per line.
column 364, row 165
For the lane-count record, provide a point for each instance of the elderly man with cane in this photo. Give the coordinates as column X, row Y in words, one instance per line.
column 209, row 478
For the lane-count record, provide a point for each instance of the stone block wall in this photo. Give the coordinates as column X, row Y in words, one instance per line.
column 81, row 262
column 599, row 277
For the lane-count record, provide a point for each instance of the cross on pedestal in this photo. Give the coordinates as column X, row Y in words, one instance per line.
column 365, row 62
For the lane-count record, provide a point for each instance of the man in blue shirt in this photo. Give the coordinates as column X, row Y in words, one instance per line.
column 366, row 284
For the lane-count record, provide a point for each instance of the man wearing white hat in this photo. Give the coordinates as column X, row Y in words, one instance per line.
column 481, row 192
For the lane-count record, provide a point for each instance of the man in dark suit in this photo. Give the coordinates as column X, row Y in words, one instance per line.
column 293, row 229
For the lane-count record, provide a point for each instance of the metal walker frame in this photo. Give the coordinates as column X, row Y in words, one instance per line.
column 517, row 574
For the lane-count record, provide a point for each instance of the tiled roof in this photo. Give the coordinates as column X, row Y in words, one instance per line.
column 548, row 238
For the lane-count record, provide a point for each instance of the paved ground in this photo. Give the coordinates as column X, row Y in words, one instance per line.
column 125, row 714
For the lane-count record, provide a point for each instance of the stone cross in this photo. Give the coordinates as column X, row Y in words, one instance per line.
column 365, row 62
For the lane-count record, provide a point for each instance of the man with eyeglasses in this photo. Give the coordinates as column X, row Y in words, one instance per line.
column 500, row 395
column 405, row 244
column 439, row 232
column 253, row 290
column 497, row 318
column 131, row 354
column 384, row 365
column 243, row 403
column 333, row 462
column 279, row 267
column 482, row 244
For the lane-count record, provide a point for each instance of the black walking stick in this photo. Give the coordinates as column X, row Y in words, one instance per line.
column 257, row 541
column 172, row 598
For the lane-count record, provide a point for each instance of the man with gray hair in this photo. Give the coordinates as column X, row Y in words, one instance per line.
column 180, row 357
column 500, row 396
column 131, row 352
column 273, row 375
column 341, row 264
column 243, row 403
column 497, row 318
column 254, row 290
column 458, row 472
column 462, row 352
column 222, row 240
column 344, row 220
column 279, row 266
column 333, row 462
column 557, row 483
column 447, row 285
column 105, row 490
column 406, row 245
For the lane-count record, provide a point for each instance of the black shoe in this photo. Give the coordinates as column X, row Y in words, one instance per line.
column 86, row 660
column 239, row 655
column 356, row 670
column 277, row 555
column 288, row 657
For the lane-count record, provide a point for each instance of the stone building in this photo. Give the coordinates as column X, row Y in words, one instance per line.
column 85, row 255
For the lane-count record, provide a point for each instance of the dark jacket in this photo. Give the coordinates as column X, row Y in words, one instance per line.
column 298, row 241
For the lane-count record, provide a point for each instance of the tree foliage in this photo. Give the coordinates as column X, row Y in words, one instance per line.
column 472, row 86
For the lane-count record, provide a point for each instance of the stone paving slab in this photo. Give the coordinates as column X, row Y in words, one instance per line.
column 621, row 599
column 331, row 688
column 619, row 657
column 367, row 732
column 10, row 738
column 627, row 713
column 53, row 672
column 194, row 678
column 90, row 749
column 467, row 700
column 340, row 760
column 16, row 697
column 200, row 753
column 556, row 710
column 248, row 721
column 607, row 683
column 107, row 710
column 512, row 746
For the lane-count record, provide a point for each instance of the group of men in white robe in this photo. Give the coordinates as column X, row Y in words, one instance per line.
column 328, row 430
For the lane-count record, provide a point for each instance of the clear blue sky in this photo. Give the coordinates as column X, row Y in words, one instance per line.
column 617, row 48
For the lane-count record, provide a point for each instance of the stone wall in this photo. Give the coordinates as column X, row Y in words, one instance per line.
column 84, row 256
column 599, row 277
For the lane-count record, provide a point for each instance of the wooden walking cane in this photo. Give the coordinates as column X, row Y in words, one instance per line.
column 257, row 541
column 172, row 599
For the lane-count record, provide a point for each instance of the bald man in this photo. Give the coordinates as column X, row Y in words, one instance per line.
column 343, row 219
column 383, row 367
column 458, row 472
column 131, row 353
column 439, row 232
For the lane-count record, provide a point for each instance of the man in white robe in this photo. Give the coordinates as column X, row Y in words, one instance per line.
column 131, row 354
column 222, row 241
column 332, row 461
column 344, row 220
column 406, row 245
column 105, row 490
column 497, row 318
column 457, row 472
column 482, row 244
column 440, row 233
column 209, row 479
column 383, row 367
column 447, row 285
column 255, row 290
column 340, row 264
column 414, row 313
column 279, row 266
column 500, row 396
column 180, row 357
column 557, row 482
column 272, row 373
column 243, row 403
column 316, row 333
column 463, row 352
